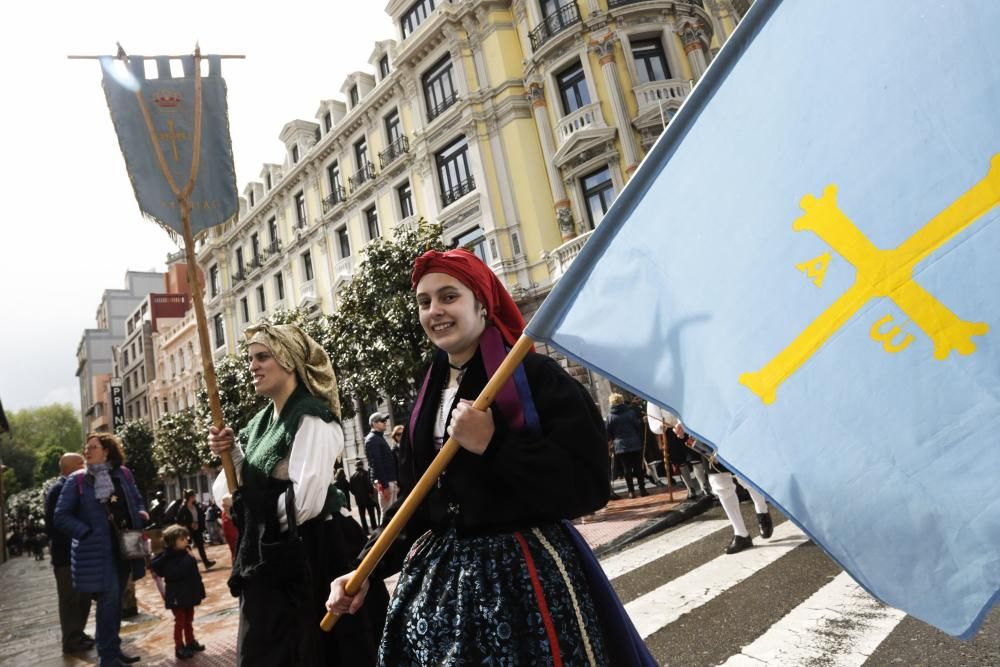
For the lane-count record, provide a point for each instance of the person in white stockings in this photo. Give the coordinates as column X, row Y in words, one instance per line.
column 723, row 485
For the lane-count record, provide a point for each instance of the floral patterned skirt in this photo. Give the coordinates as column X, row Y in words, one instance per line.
column 509, row 599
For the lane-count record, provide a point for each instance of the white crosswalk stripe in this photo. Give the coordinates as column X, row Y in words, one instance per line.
column 840, row 625
column 619, row 564
column 667, row 603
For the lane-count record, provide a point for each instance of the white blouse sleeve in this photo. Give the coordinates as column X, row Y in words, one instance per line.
column 310, row 467
column 654, row 418
column 220, row 487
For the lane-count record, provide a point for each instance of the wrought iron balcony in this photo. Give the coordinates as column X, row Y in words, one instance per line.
column 395, row 149
column 567, row 15
column 256, row 262
column 453, row 194
column 239, row 276
column 361, row 176
column 273, row 247
column 441, row 106
column 338, row 196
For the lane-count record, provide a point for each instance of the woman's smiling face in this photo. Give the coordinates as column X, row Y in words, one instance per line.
column 450, row 315
column 269, row 377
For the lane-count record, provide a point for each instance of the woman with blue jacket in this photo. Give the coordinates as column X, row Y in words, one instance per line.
column 94, row 505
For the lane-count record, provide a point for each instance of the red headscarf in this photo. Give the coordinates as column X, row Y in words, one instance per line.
column 501, row 311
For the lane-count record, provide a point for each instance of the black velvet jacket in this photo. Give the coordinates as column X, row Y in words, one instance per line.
column 520, row 480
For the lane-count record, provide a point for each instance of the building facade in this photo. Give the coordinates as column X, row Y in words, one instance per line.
column 95, row 358
column 513, row 124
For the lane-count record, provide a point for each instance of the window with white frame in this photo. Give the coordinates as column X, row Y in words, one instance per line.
column 650, row 60
column 573, row 92
column 598, row 193
column 404, row 194
column 371, row 223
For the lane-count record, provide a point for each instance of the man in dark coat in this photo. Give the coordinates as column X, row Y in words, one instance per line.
column 74, row 608
column 192, row 517
column 380, row 458
column 361, row 489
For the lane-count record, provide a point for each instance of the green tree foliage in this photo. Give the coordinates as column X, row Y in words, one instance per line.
column 137, row 438
column 21, row 460
column 181, row 445
column 47, row 465
column 11, row 484
column 34, row 434
column 378, row 345
column 56, row 426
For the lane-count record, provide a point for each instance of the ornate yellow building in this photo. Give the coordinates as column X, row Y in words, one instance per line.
column 512, row 123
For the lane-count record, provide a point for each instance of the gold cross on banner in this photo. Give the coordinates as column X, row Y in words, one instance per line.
column 173, row 136
column 882, row 273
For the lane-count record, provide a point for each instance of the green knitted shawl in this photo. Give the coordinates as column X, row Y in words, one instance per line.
column 267, row 440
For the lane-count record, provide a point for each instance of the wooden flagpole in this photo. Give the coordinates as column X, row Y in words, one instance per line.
column 428, row 479
column 194, row 281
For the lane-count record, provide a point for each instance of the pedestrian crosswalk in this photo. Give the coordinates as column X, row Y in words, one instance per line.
column 804, row 609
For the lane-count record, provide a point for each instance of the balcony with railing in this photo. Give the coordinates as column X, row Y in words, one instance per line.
column 338, row 196
column 362, row 176
column 239, row 276
column 584, row 118
column 566, row 15
column 442, row 106
column 256, row 263
column 396, row 149
column 344, row 269
column 454, row 194
column 651, row 95
column 273, row 248
column 559, row 259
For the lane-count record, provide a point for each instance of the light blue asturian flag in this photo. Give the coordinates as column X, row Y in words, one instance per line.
column 806, row 268
column 169, row 103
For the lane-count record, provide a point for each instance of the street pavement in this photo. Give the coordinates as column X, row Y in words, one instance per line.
column 29, row 621
column 781, row 603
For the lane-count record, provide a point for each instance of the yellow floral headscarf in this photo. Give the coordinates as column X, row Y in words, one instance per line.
column 295, row 351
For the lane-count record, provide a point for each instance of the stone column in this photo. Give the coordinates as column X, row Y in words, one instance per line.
column 691, row 35
column 605, row 50
column 564, row 215
column 674, row 55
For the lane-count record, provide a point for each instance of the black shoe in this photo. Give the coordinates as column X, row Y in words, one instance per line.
column 615, row 496
column 209, row 564
column 183, row 653
column 87, row 638
column 76, row 647
column 739, row 544
column 128, row 659
column 195, row 646
column 765, row 524
column 631, row 494
column 643, row 492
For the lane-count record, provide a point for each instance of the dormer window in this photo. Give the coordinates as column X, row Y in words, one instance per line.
column 415, row 15
column 253, row 199
column 267, row 179
column 383, row 66
column 354, row 96
column 295, row 154
column 327, row 121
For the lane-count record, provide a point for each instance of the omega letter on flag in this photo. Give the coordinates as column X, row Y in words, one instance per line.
column 156, row 126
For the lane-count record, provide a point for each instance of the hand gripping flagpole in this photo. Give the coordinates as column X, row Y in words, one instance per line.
column 194, row 279
column 428, row 480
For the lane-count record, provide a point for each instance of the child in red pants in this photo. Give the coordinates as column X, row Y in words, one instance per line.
column 184, row 588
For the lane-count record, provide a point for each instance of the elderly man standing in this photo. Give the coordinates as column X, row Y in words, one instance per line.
column 74, row 608
column 381, row 460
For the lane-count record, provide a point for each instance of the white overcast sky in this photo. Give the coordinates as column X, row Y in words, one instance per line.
column 71, row 226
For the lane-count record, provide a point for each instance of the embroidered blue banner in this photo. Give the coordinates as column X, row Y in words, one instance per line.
column 805, row 269
column 154, row 115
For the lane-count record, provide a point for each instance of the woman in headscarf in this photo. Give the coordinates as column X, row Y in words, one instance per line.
column 285, row 468
column 95, row 505
column 495, row 574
